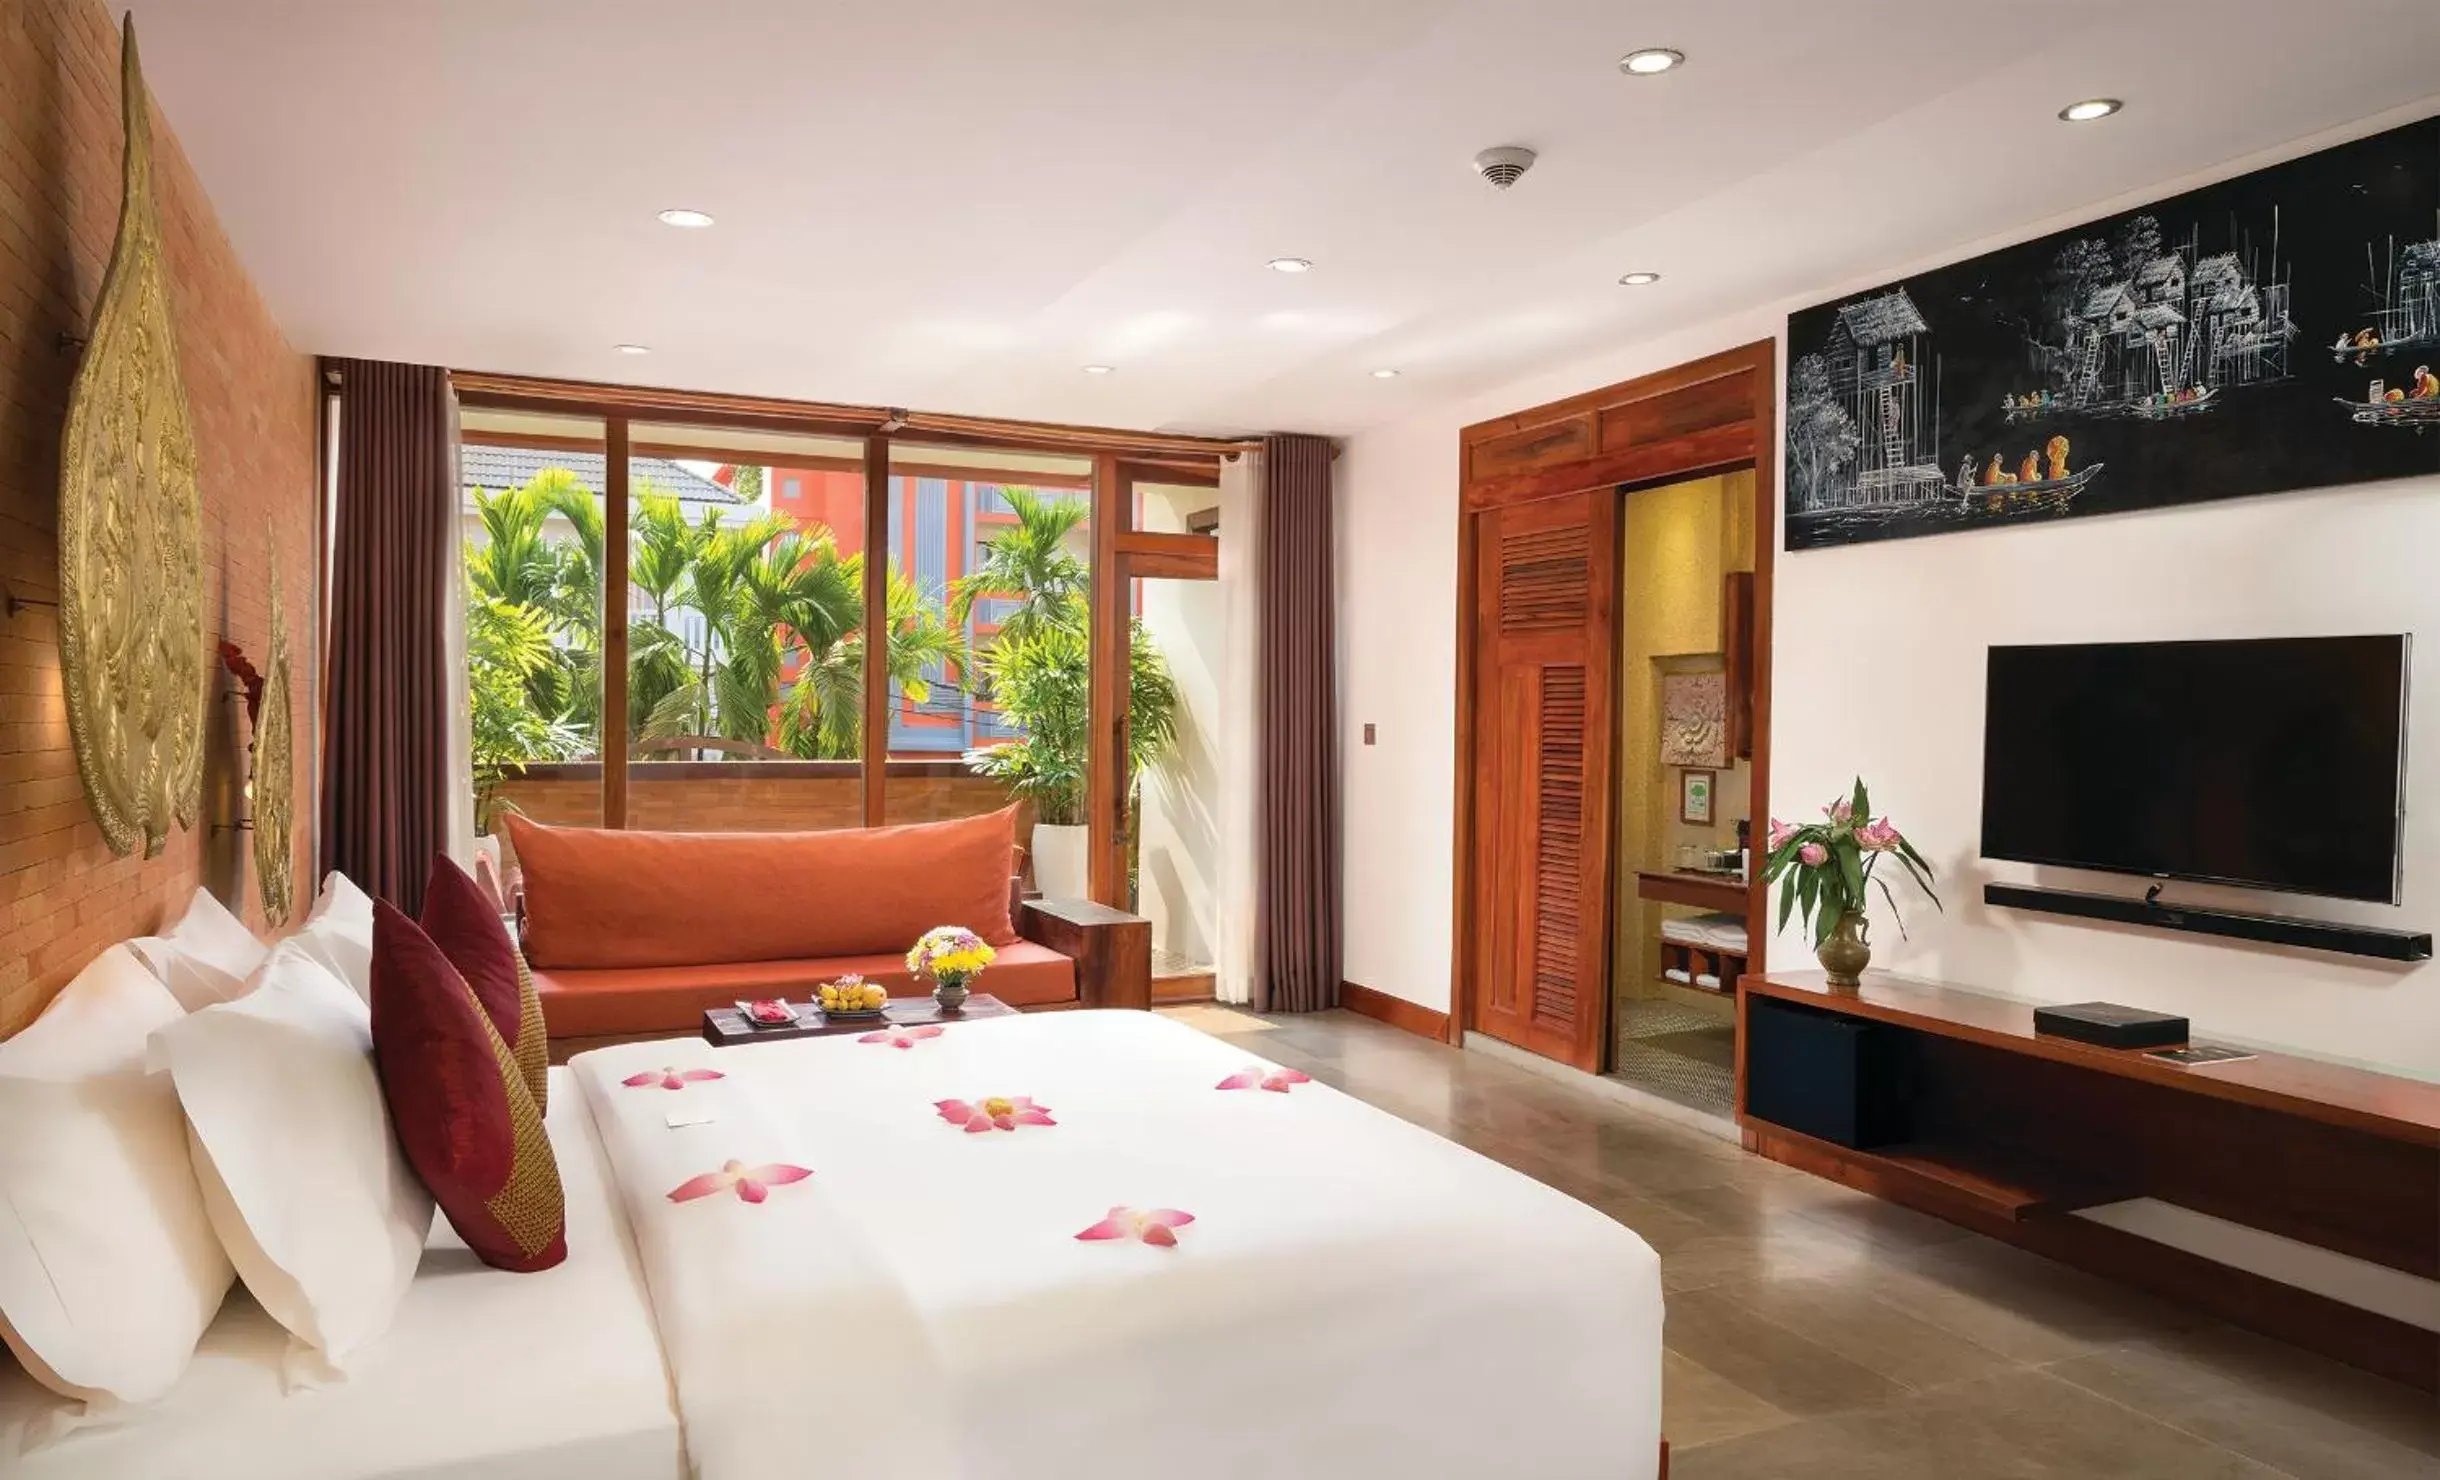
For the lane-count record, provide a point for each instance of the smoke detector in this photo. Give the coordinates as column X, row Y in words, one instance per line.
column 1504, row 165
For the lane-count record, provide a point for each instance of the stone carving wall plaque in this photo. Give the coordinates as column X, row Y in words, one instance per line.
column 1694, row 720
column 132, row 653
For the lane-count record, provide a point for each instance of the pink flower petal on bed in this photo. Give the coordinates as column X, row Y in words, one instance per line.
column 1157, row 1227
column 1245, row 1078
column 1284, row 1080
column 902, row 1037
column 1117, row 1225
column 1031, row 1116
column 708, row 1183
column 956, row 1112
column 669, row 1076
column 753, row 1184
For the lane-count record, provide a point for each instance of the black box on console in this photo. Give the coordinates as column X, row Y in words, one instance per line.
column 2110, row 1025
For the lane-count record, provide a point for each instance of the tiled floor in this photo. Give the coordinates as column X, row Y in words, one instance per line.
column 1816, row 1331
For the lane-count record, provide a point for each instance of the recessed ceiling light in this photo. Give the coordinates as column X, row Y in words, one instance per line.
column 633, row 349
column 1292, row 264
column 692, row 219
column 2090, row 109
column 1097, row 369
column 1651, row 61
column 1385, row 374
column 1640, row 279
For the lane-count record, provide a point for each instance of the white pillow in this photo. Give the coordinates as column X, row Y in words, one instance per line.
column 339, row 933
column 206, row 957
column 301, row 1173
column 109, row 1269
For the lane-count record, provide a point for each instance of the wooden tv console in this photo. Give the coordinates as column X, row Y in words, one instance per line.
column 2009, row 1131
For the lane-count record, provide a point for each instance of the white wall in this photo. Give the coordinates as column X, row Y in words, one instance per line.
column 1878, row 655
column 1178, row 865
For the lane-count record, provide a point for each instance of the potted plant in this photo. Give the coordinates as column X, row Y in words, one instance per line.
column 1037, row 670
column 1822, row 870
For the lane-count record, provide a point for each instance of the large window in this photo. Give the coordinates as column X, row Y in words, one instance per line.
column 760, row 615
column 530, row 518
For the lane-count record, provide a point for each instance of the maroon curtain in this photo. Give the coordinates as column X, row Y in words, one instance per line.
column 385, row 752
column 1296, row 950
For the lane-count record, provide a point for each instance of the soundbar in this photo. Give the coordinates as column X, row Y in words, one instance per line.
column 2278, row 930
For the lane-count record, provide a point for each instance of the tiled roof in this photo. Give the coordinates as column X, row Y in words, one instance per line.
column 495, row 468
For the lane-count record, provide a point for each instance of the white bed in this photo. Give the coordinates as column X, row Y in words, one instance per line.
column 484, row 1375
column 1354, row 1296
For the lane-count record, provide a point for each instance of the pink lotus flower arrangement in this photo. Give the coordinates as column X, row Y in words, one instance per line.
column 1822, row 869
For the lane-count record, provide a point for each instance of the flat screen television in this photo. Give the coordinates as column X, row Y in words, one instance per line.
column 2276, row 763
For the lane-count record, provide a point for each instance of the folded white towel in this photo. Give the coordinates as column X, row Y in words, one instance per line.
column 1678, row 975
column 1706, row 979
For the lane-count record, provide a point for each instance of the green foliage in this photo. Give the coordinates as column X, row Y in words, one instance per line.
column 506, row 645
column 1029, row 563
column 746, row 481
column 1040, row 677
column 1844, row 849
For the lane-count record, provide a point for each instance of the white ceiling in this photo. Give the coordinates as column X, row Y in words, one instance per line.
column 955, row 204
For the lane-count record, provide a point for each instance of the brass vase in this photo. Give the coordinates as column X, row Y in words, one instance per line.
column 1844, row 952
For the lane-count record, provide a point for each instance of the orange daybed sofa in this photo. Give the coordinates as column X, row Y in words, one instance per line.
column 638, row 932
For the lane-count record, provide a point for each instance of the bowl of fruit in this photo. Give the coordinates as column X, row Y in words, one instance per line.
column 852, row 999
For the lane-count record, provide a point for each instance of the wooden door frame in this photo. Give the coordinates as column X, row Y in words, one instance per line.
column 1718, row 414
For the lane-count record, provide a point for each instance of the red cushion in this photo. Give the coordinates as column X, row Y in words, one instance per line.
column 671, row 999
column 461, row 920
column 458, row 1104
column 611, row 897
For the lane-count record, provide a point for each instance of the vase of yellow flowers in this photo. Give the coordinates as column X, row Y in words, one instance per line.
column 952, row 956
column 1822, row 869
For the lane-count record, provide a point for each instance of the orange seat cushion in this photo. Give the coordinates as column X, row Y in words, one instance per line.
column 583, row 1003
column 598, row 898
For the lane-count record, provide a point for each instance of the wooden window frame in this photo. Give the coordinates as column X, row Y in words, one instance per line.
column 1121, row 459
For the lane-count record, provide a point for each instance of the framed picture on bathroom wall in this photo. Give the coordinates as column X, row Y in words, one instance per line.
column 1694, row 796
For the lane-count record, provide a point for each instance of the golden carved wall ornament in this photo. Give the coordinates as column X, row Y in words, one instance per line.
column 274, row 772
column 131, row 643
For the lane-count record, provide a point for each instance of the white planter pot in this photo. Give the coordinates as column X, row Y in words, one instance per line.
column 1059, row 861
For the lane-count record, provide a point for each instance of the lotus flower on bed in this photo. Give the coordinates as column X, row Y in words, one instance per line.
column 753, row 1184
column 670, row 1077
column 1005, row 1112
column 1158, row 1226
column 1256, row 1076
column 902, row 1037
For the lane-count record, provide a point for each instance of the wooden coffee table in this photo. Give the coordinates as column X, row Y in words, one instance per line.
column 726, row 1027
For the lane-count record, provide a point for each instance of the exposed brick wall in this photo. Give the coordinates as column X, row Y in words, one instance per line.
column 63, row 897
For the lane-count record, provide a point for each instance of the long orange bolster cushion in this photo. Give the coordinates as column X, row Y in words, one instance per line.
column 598, row 897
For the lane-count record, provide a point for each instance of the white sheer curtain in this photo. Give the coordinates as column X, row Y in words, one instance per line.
column 1237, row 741
column 460, row 837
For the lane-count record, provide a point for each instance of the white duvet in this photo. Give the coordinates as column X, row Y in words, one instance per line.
column 1298, row 1285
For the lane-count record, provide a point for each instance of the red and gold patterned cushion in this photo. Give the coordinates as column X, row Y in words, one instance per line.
column 462, row 921
column 459, row 1104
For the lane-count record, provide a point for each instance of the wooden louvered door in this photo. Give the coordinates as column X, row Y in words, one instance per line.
column 1546, row 581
